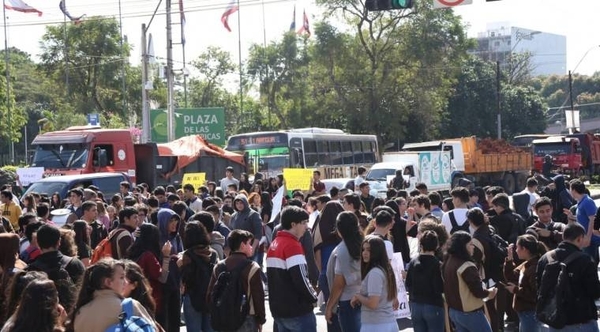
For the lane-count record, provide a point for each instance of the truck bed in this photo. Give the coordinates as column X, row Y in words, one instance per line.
column 476, row 161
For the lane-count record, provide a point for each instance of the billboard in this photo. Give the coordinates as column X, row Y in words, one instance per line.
column 206, row 122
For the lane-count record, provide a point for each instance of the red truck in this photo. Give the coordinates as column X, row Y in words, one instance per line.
column 572, row 154
column 91, row 149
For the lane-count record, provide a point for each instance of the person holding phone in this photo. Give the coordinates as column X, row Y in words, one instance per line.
column 521, row 280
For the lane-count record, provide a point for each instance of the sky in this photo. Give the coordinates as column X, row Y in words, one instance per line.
column 578, row 21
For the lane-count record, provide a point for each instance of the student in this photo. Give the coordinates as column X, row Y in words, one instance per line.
column 38, row 310
column 426, row 294
column 240, row 243
column 378, row 293
column 99, row 303
column 521, row 280
column 138, row 286
column 291, row 296
column 343, row 273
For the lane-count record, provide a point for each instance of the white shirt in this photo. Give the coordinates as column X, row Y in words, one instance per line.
column 459, row 214
column 358, row 180
column 532, row 198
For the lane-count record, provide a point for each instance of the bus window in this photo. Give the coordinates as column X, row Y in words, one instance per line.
column 335, row 150
column 369, row 154
column 323, row 153
column 310, row 153
column 348, row 159
column 358, row 155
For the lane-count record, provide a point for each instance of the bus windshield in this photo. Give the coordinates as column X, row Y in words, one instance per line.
column 270, row 162
column 57, row 156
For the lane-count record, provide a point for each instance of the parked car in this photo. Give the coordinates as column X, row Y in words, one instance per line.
column 107, row 183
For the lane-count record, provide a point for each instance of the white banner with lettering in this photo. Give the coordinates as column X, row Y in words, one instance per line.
column 398, row 266
column 29, row 175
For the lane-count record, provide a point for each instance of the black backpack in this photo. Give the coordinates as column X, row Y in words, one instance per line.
column 555, row 291
column 197, row 277
column 497, row 255
column 518, row 227
column 67, row 290
column 455, row 227
column 229, row 304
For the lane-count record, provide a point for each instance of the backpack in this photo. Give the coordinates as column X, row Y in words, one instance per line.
column 201, row 272
column 104, row 248
column 517, row 228
column 455, row 227
column 554, row 291
column 497, row 255
column 229, row 304
column 129, row 322
column 67, row 290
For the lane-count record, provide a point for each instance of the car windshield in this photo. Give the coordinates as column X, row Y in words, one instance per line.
column 45, row 187
column 57, row 156
column 380, row 174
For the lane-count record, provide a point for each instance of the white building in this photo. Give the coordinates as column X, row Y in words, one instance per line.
column 548, row 51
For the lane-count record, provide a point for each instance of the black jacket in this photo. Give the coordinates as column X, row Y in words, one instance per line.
column 583, row 278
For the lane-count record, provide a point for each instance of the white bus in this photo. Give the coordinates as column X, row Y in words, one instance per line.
column 335, row 153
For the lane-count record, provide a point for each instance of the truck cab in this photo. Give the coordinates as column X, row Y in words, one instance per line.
column 85, row 150
column 565, row 153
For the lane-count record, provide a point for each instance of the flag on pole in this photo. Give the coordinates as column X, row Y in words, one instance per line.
column 20, row 6
column 305, row 25
column 232, row 8
column 63, row 8
column 182, row 20
column 293, row 25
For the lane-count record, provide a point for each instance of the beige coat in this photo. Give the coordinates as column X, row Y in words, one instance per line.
column 104, row 311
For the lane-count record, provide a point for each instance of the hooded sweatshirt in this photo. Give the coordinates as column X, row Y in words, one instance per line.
column 164, row 216
column 217, row 242
column 247, row 219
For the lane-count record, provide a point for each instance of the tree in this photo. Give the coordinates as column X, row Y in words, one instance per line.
column 472, row 110
column 91, row 57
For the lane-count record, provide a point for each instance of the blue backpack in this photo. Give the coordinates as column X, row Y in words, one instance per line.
column 128, row 322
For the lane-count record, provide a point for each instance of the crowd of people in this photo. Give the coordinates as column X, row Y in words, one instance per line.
column 140, row 257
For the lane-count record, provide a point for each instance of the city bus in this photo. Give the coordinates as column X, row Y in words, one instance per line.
column 335, row 153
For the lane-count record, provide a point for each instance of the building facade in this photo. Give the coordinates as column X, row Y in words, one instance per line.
column 548, row 51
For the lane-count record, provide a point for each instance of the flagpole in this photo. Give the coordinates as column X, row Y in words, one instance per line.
column 265, row 59
column 240, row 60
column 8, row 110
column 66, row 50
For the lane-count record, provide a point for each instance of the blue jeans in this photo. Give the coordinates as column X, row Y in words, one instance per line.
column 591, row 326
column 474, row 321
column 348, row 317
column 305, row 323
column 195, row 321
column 528, row 322
column 426, row 317
column 324, row 287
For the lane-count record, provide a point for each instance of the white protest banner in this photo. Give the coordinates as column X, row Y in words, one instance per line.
column 30, row 175
column 277, row 202
column 398, row 266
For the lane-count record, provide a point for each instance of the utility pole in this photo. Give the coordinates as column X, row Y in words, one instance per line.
column 8, row 108
column 169, row 73
column 145, row 109
column 498, row 102
column 571, row 101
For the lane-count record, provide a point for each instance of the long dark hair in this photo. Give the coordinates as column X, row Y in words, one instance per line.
column 457, row 246
column 378, row 258
column 20, row 280
column 37, row 310
column 143, row 291
column 347, row 225
column 81, row 232
column 148, row 240
column 9, row 248
column 93, row 280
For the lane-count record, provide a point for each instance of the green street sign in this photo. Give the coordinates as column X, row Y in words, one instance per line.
column 206, row 122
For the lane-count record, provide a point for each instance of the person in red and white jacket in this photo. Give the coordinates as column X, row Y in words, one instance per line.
column 291, row 295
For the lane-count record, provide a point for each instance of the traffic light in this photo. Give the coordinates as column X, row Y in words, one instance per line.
column 379, row 5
